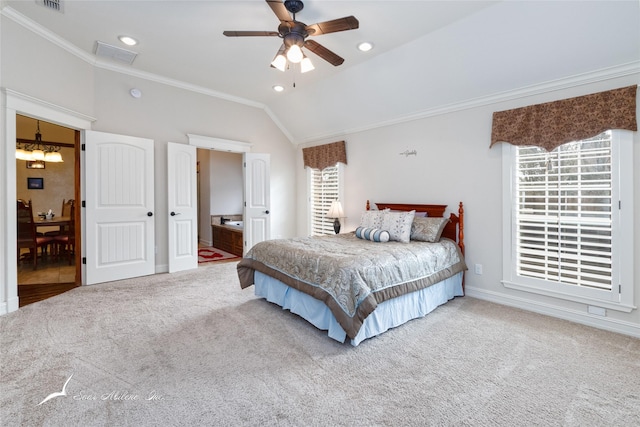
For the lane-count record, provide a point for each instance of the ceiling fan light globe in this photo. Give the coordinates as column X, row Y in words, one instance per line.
column 306, row 65
column 294, row 54
column 280, row 62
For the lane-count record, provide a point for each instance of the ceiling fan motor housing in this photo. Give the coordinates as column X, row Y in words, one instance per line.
column 293, row 33
column 293, row 6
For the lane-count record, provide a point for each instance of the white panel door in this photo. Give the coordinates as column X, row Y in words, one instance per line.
column 119, row 221
column 183, row 206
column 257, row 223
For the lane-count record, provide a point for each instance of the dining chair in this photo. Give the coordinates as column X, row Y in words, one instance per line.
column 26, row 231
column 66, row 240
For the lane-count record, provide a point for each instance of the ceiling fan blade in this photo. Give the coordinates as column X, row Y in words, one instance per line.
column 333, row 26
column 323, row 52
column 250, row 33
column 278, row 8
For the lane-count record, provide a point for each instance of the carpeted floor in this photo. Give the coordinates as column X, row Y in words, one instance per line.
column 192, row 348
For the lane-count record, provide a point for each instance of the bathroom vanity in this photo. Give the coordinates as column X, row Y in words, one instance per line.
column 228, row 237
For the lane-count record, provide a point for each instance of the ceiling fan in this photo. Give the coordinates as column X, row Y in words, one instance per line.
column 294, row 35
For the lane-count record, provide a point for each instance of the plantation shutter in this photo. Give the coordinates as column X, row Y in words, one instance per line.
column 324, row 190
column 564, row 202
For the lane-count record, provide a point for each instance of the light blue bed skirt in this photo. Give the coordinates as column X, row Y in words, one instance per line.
column 387, row 315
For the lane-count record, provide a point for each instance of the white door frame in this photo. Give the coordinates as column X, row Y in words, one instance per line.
column 14, row 103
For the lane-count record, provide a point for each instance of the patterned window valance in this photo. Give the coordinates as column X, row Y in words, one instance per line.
column 321, row 156
column 555, row 123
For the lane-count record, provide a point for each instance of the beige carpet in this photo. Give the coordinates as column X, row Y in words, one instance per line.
column 193, row 349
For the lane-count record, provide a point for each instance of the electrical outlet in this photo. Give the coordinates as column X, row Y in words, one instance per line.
column 598, row 311
column 478, row 268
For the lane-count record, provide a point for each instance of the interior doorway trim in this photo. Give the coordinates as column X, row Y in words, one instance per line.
column 219, row 144
column 19, row 103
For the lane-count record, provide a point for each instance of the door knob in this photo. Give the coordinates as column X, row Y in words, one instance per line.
column 267, row 212
column 174, row 214
column 149, row 213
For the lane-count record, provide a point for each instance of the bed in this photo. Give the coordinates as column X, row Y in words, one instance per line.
column 359, row 284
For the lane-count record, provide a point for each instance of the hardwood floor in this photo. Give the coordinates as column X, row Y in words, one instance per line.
column 50, row 279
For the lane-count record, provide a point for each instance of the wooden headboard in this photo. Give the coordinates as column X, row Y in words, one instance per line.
column 454, row 230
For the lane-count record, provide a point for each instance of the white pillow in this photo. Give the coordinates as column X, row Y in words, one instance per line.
column 372, row 219
column 398, row 224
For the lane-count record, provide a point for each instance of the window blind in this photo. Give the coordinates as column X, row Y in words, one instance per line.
column 564, row 213
column 324, row 190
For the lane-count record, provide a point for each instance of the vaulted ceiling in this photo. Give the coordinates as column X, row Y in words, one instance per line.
column 427, row 56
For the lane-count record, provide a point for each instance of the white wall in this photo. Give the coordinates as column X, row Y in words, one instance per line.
column 165, row 113
column 226, row 183
column 454, row 163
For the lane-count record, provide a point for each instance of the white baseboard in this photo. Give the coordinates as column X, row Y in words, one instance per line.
column 584, row 318
column 12, row 304
column 162, row 268
column 205, row 242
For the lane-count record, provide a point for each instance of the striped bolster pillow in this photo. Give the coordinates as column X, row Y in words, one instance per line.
column 373, row 234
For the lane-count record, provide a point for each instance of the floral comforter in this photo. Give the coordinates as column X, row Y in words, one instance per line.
column 349, row 274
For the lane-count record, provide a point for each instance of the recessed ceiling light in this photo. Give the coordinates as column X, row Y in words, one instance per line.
column 365, row 47
column 278, row 88
column 129, row 41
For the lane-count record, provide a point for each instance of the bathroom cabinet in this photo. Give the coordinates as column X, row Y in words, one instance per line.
column 227, row 238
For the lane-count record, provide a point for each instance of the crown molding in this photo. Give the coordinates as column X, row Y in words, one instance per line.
column 92, row 59
column 520, row 93
column 597, row 76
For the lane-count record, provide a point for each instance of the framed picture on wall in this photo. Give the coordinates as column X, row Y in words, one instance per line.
column 35, row 164
column 35, row 183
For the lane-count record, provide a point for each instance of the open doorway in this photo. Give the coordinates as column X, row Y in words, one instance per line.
column 47, row 185
column 220, row 205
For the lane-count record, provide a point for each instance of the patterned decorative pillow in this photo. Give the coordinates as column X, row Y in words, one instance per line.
column 372, row 219
column 399, row 225
column 428, row 229
column 373, row 234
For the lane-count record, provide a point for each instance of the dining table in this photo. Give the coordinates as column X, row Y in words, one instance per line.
column 58, row 221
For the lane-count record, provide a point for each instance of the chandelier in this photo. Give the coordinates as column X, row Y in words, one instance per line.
column 35, row 149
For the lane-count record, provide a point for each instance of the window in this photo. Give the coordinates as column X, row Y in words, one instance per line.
column 325, row 187
column 569, row 226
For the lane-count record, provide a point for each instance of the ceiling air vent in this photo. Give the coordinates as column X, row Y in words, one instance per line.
column 107, row 51
column 56, row 5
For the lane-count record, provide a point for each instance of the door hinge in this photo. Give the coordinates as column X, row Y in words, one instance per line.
column 619, row 289
column 84, row 260
column 619, row 204
column 82, row 147
column 84, row 204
